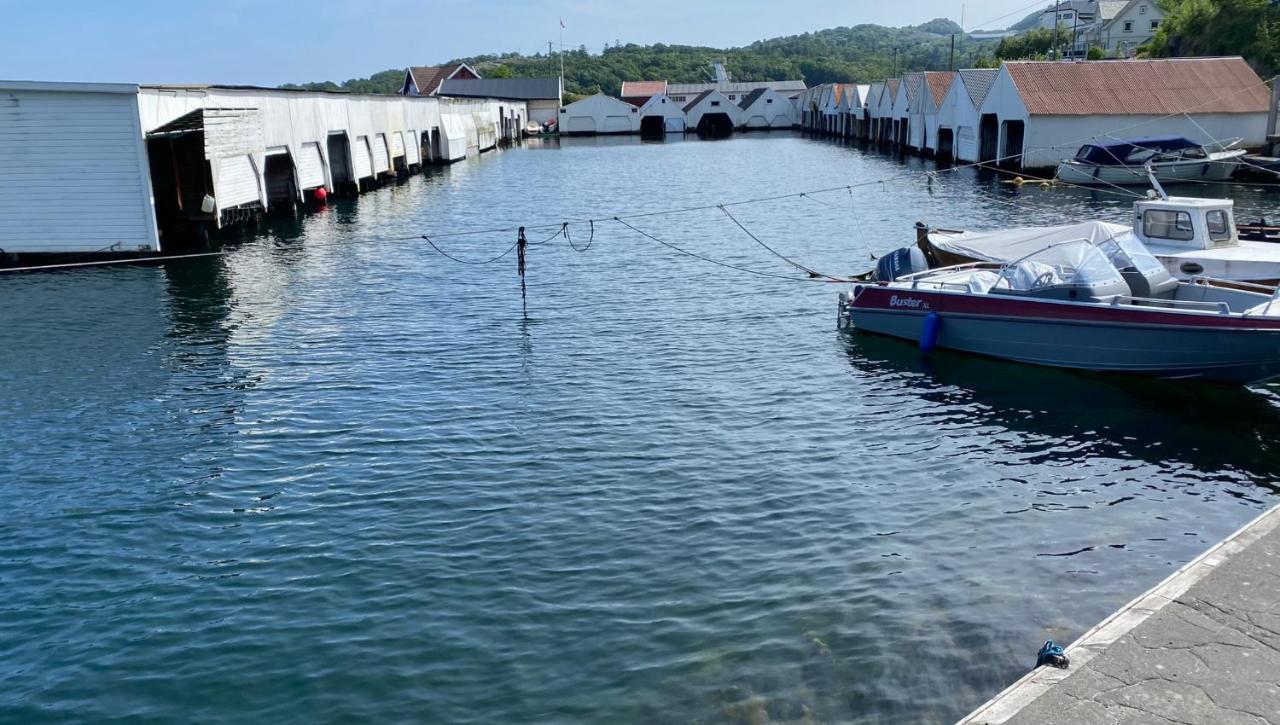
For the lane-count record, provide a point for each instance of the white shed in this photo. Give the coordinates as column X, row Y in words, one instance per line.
column 858, row 110
column 887, row 131
column 831, row 102
column 711, row 113
column 908, row 117
column 1039, row 112
column 958, row 114
column 599, row 114
column 871, row 111
column 75, row 175
column 936, row 86
column 766, row 108
column 661, row 115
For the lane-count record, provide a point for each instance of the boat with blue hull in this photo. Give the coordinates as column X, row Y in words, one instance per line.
column 1080, row 305
column 1173, row 158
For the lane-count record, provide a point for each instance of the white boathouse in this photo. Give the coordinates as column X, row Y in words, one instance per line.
column 957, row 135
column 599, row 114
column 1040, row 112
column 936, row 86
column 660, row 115
column 711, row 113
column 765, row 108
column 75, row 174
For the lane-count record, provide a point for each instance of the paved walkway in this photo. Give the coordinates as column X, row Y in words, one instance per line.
column 1203, row 646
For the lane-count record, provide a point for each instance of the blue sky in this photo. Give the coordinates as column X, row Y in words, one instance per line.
column 267, row 43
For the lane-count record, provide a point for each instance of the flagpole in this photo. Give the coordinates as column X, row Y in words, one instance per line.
column 562, row 56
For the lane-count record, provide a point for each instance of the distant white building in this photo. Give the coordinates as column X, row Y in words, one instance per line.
column 732, row 90
column 765, row 108
column 1134, row 24
column 908, row 118
column 882, row 117
column 711, row 113
column 599, row 114
column 662, row 115
column 1039, row 112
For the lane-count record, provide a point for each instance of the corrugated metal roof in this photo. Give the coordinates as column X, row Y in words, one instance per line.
column 635, row 89
column 516, row 89
column 977, row 81
column 891, row 86
column 784, row 87
column 939, row 82
column 1139, row 87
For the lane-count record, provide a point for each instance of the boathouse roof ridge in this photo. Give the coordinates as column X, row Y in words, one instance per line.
column 696, row 99
column 787, row 87
column 913, row 81
column 427, row 79
column 519, row 89
column 978, row 82
column 1139, row 87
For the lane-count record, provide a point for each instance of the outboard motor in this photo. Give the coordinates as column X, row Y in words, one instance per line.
column 899, row 263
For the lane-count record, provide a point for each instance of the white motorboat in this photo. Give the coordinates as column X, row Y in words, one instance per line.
column 1191, row 237
column 1078, row 304
column 1173, row 159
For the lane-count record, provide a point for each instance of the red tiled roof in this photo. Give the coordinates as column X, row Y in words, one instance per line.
column 635, row 89
column 891, row 86
column 1139, row 87
column 429, row 78
column 939, row 83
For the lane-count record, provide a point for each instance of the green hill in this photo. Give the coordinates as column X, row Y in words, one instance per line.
column 861, row 53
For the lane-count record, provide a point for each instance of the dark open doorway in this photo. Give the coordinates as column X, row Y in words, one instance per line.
column 282, row 184
column 988, row 137
column 715, row 125
column 946, row 143
column 653, row 127
column 1011, row 154
column 340, row 162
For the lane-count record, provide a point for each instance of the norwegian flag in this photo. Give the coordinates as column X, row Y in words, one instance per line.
column 562, row 23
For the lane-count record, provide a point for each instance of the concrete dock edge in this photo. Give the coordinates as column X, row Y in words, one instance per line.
column 1042, row 681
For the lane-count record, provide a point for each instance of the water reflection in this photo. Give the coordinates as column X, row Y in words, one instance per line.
column 1211, row 428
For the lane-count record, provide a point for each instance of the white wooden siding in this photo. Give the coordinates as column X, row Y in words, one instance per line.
column 380, row 163
column 360, row 158
column 310, row 166
column 397, row 144
column 236, row 182
column 73, row 170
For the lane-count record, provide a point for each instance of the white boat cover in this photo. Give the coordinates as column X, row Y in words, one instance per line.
column 1007, row 245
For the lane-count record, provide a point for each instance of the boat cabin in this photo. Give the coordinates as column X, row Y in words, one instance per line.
column 1138, row 151
column 1185, row 223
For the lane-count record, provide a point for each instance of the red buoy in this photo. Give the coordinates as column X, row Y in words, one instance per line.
column 321, row 194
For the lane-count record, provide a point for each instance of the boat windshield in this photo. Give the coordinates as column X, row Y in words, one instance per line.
column 1124, row 251
column 1077, row 263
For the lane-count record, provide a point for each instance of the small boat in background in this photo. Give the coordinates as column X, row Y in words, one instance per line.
column 1080, row 305
column 1172, row 158
column 1191, row 237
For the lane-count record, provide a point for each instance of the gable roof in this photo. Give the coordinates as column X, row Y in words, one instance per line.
column 696, row 99
column 751, row 98
column 1124, row 10
column 516, row 89
column 428, row 78
column 913, row 82
column 635, row 89
column 978, row 82
column 939, row 82
column 891, row 90
column 1139, row 87
column 1108, row 9
column 863, row 90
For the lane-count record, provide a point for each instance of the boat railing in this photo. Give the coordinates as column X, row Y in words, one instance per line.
column 1222, row 308
column 1237, row 284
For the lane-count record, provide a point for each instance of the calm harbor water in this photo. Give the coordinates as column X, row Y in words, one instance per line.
column 332, row 477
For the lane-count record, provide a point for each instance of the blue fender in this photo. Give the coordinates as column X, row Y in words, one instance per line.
column 929, row 332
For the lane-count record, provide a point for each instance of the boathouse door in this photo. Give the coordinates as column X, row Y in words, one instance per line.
column 988, row 137
column 1013, row 136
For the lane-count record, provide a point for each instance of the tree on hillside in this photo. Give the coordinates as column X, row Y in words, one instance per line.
column 1249, row 28
column 1034, row 44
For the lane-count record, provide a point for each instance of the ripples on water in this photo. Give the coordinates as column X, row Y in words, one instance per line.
column 329, row 477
